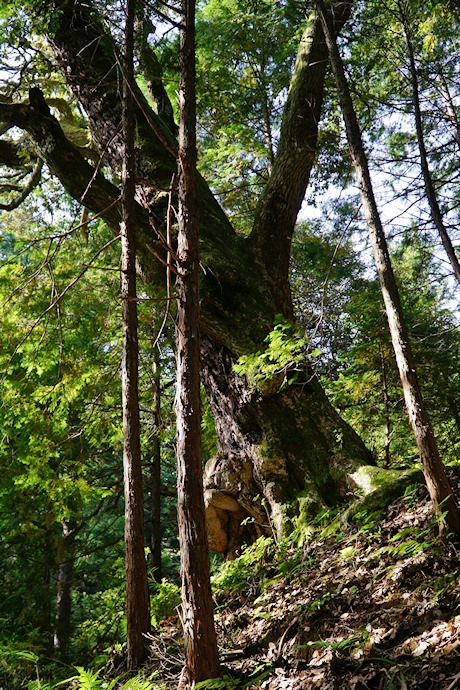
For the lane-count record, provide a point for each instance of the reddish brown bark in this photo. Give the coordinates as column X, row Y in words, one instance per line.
column 137, row 597
column 202, row 660
column 155, row 474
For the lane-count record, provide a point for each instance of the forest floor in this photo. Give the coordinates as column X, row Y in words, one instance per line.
column 375, row 604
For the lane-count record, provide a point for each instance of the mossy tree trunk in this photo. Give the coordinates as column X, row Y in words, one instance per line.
column 276, row 448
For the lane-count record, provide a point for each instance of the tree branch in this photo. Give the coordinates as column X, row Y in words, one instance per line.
column 29, row 187
column 83, row 182
column 279, row 205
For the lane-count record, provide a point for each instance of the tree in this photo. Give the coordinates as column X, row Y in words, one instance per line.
column 435, row 477
column 276, row 443
column 201, row 655
column 59, row 455
column 155, row 472
column 137, row 593
column 430, row 189
column 394, row 127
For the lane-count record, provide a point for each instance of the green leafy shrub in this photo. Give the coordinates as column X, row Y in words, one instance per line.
column 165, row 601
column 285, row 346
column 234, row 575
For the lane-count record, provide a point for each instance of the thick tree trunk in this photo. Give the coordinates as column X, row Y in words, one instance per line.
column 201, row 656
column 435, row 477
column 137, row 596
column 288, row 447
column 291, row 442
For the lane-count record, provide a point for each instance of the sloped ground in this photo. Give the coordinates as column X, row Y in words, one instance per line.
column 374, row 606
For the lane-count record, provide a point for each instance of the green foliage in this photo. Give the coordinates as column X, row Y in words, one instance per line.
column 219, row 684
column 165, row 602
column 89, row 679
column 244, row 58
column 285, row 348
column 233, row 575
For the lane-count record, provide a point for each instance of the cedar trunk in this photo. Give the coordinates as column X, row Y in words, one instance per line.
column 155, row 474
column 137, row 597
column 435, row 477
column 201, row 656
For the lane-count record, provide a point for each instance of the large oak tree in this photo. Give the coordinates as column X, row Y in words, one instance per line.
column 280, row 443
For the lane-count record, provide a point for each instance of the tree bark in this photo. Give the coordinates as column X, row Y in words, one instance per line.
column 137, row 597
column 430, row 190
column 436, row 480
column 201, row 655
column 451, row 113
column 63, row 621
column 275, row 446
column 155, row 474
column 386, row 409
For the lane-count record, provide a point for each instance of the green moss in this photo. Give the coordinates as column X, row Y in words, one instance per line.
column 368, row 478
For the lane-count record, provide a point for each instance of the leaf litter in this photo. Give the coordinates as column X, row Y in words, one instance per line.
column 376, row 605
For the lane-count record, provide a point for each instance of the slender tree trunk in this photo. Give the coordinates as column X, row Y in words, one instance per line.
column 427, row 178
column 137, row 597
column 386, row 460
column 437, row 482
column 155, row 474
column 63, row 622
column 260, row 79
column 201, row 662
column 450, row 108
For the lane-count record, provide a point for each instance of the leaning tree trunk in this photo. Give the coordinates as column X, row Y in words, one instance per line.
column 433, row 470
column 278, row 450
column 430, row 191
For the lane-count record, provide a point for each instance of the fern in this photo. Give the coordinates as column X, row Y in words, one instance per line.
column 88, row 680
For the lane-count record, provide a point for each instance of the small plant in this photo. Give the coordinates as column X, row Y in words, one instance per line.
column 164, row 602
column 224, row 683
column 410, row 497
column 234, row 575
column 285, row 346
